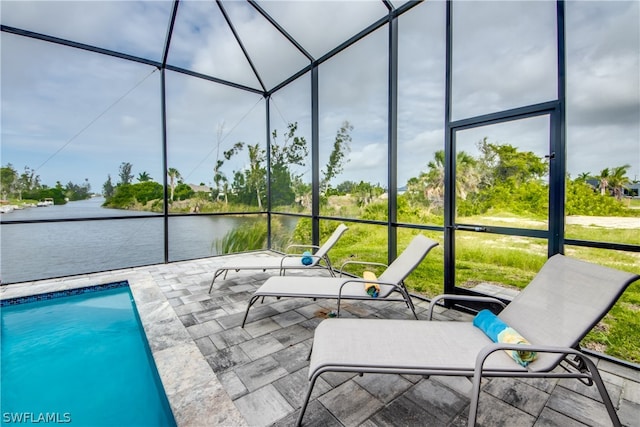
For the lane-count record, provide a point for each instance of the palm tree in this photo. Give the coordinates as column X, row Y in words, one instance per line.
column 604, row 180
column 434, row 178
column 467, row 177
column 174, row 175
column 583, row 177
column 618, row 180
column 144, row 177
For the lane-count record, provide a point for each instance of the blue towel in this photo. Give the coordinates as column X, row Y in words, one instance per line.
column 500, row 332
column 307, row 259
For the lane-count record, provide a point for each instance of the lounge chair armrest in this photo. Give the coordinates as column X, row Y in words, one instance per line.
column 285, row 256
column 344, row 264
column 475, row 298
column 301, row 246
column 493, row 347
column 363, row 281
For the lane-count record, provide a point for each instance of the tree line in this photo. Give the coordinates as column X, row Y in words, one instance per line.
column 28, row 186
column 288, row 152
column 503, row 178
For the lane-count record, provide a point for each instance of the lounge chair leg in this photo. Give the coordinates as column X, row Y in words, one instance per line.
column 475, row 397
column 328, row 263
column 246, row 313
column 412, row 307
column 310, row 351
column 606, row 399
column 215, row 276
column 408, row 300
column 306, row 401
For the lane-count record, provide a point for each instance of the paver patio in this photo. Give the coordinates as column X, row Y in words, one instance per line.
column 262, row 368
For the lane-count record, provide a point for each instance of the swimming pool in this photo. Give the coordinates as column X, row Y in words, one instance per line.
column 81, row 359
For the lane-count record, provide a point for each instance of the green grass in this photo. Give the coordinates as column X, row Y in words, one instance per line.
column 601, row 234
column 634, row 203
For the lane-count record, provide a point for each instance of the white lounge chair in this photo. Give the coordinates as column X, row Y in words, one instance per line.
column 391, row 281
column 320, row 258
column 563, row 302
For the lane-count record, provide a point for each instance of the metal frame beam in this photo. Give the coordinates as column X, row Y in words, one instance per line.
column 449, row 171
column 165, row 148
column 315, row 153
column 392, row 141
column 239, row 41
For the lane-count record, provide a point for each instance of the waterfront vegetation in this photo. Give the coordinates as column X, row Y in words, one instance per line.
column 25, row 188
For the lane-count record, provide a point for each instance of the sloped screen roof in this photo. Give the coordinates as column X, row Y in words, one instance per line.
column 258, row 44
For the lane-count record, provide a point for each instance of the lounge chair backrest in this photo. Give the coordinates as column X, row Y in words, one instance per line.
column 322, row 250
column 563, row 302
column 408, row 260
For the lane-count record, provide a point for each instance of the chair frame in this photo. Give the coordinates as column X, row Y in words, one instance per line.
column 400, row 288
column 281, row 267
column 573, row 362
column 302, row 290
column 589, row 373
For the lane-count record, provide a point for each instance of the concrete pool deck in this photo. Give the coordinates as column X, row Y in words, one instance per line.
column 218, row 374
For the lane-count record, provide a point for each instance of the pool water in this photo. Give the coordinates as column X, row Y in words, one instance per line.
column 82, row 360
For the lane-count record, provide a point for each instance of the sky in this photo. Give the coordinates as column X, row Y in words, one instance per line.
column 73, row 115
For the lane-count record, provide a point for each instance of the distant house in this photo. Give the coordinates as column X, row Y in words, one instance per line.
column 632, row 190
column 594, row 183
column 200, row 188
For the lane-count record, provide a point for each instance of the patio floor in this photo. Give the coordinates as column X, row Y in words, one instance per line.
column 217, row 373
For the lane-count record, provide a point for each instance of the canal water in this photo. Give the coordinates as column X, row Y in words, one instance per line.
column 53, row 249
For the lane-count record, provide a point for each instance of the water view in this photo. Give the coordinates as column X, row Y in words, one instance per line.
column 51, row 249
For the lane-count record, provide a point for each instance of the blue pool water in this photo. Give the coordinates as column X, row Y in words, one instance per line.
column 82, row 360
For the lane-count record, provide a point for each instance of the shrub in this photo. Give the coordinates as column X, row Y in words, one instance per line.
column 583, row 200
column 246, row 238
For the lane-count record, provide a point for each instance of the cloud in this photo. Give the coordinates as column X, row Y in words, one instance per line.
column 72, row 116
column 504, row 56
column 603, row 86
column 274, row 57
column 320, row 26
column 137, row 28
column 369, row 156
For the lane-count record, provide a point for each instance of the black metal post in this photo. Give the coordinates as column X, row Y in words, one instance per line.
column 558, row 154
column 315, row 153
column 392, row 179
column 267, row 136
column 449, row 150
